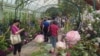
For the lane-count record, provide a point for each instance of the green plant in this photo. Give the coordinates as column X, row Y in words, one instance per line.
column 52, row 12
column 3, row 44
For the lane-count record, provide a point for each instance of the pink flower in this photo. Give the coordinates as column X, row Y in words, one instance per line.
column 39, row 38
column 73, row 37
column 26, row 34
column 61, row 45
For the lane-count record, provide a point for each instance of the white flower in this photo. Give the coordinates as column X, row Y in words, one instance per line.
column 24, row 40
column 61, row 45
column 98, row 39
column 97, row 18
column 88, row 35
column 62, row 29
column 97, row 44
column 97, row 12
column 48, row 46
column 82, row 29
column 95, row 32
column 90, row 27
column 39, row 38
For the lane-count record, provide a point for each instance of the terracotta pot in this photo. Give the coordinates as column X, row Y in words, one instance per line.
column 90, row 2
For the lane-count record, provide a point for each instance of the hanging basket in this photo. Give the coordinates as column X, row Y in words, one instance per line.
column 90, row 2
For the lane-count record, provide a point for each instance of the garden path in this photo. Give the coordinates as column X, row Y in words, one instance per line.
column 28, row 49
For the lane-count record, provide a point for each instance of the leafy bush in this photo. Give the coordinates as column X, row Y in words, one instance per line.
column 3, row 46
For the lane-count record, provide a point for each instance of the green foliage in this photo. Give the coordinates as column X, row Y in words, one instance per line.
column 7, row 20
column 90, row 10
column 67, row 8
column 83, row 48
column 52, row 12
column 39, row 53
column 3, row 44
column 42, row 50
column 35, row 21
column 68, row 27
column 72, row 7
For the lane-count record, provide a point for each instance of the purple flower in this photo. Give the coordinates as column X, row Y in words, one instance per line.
column 10, row 49
column 2, row 53
column 26, row 34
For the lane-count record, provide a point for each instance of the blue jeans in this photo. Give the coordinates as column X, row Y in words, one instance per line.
column 53, row 41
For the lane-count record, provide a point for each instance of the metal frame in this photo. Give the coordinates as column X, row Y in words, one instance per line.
column 94, row 4
column 78, row 8
column 17, row 7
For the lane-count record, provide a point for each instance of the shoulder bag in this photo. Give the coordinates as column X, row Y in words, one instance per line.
column 15, row 39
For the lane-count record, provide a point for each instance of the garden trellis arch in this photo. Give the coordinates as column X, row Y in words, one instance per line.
column 94, row 4
column 26, row 2
column 17, row 7
column 52, row 5
column 44, row 8
column 78, row 8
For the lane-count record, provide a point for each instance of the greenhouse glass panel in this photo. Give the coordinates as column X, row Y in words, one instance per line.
column 40, row 3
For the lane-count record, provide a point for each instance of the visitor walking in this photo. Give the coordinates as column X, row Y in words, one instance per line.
column 15, row 30
column 58, row 20
column 53, row 28
column 45, row 30
column 62, row 22
column 49, row 20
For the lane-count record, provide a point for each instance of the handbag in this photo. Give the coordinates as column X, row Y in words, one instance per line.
column 15, row 39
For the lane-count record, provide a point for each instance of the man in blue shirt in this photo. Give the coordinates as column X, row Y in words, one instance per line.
column 45, row 29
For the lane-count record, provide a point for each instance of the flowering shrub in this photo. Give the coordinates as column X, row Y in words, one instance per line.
column 39, row 38
column 60, row 45
column 3, row 46
column 72, row 37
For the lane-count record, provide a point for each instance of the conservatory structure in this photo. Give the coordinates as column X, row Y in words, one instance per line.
column 76, row 27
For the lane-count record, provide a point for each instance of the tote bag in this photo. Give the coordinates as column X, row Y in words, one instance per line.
column 15, row 39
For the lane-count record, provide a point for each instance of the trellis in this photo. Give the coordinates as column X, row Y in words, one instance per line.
column 27, row 2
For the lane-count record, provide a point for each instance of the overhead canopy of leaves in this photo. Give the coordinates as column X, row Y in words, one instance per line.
column 71, row 6
column 52, row 11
